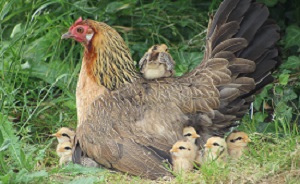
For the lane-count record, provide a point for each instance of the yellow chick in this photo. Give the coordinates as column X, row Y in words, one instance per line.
column 191, row 134
column 157, row 63
column 237, row 142
column 215, row 149
column 64, row 151
column 64, row 134
column 183, row 156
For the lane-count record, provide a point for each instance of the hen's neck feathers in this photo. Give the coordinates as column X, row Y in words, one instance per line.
column 107, row 58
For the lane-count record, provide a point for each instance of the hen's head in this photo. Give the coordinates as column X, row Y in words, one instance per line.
column 237, row 139
column 80, row 31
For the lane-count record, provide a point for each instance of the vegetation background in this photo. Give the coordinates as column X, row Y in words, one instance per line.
column 39, row 71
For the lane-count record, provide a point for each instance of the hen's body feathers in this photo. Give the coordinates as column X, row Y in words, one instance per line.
column 132, row 126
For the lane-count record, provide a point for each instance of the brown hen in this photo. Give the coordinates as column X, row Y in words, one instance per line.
column 129, row 124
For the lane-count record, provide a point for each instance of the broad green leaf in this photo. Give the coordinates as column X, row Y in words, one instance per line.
column 9, row 133
column 5, row 145
column 269, row 2
column 284, row 79
column 292, row 36
column 293, row 62
column 289, row 94
column 17, row 29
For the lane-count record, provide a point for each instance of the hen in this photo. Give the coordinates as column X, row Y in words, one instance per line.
column 129, row 124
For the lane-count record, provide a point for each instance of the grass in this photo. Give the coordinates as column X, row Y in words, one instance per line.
column 38, row 75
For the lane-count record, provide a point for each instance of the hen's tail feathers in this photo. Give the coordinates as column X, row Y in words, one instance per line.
column 76, row 152
column 241, row 33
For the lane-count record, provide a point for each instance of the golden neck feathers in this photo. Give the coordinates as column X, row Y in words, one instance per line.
column 108, row 58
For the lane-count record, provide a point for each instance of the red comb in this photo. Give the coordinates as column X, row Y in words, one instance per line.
column 78, row 20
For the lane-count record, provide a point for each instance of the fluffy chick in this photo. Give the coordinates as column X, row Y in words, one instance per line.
column 64, row 134
column 237, row 143
column 215, row 149
column 157, row 63
column 183, row 156
column 190, row 134
column 64, row 151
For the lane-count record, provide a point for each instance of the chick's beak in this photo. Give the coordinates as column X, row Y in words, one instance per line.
column 173, row 150
column 248, row 140
column 54, row 135
column 195, row 136
column 66, row 35
column 207, row 145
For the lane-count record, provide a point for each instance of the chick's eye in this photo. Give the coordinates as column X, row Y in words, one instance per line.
column 65, row 135
column 216, row 144
column 239, row 138
column 155, row 47
column 187, row 135
column 68, row 148
column 181, row 147
column 80, row 30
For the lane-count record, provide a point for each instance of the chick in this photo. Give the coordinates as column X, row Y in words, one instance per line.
column 191, row 134
column 64, row 151
column 215, row 149
column 64, row 134
column 157, row 63
column 183, row 156
column 237, row 143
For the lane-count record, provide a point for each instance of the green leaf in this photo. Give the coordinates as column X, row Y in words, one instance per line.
column 75, row 169
column 9, row 133
column 17, row 29
column 284, row 79
column 269, row 2
column 116, row 6
column 5, row 145
column 292, row 36
column 293, row 62
column 88, row 180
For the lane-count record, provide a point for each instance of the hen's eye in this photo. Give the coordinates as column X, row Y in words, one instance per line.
column 181, row 147
column 68, row 148
column 187, row 135
column 216, row 144
column 80, row 30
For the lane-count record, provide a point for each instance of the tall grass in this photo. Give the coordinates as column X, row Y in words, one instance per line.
column 39, row 72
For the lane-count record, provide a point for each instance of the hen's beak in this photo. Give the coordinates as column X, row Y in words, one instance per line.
column 66, row 35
